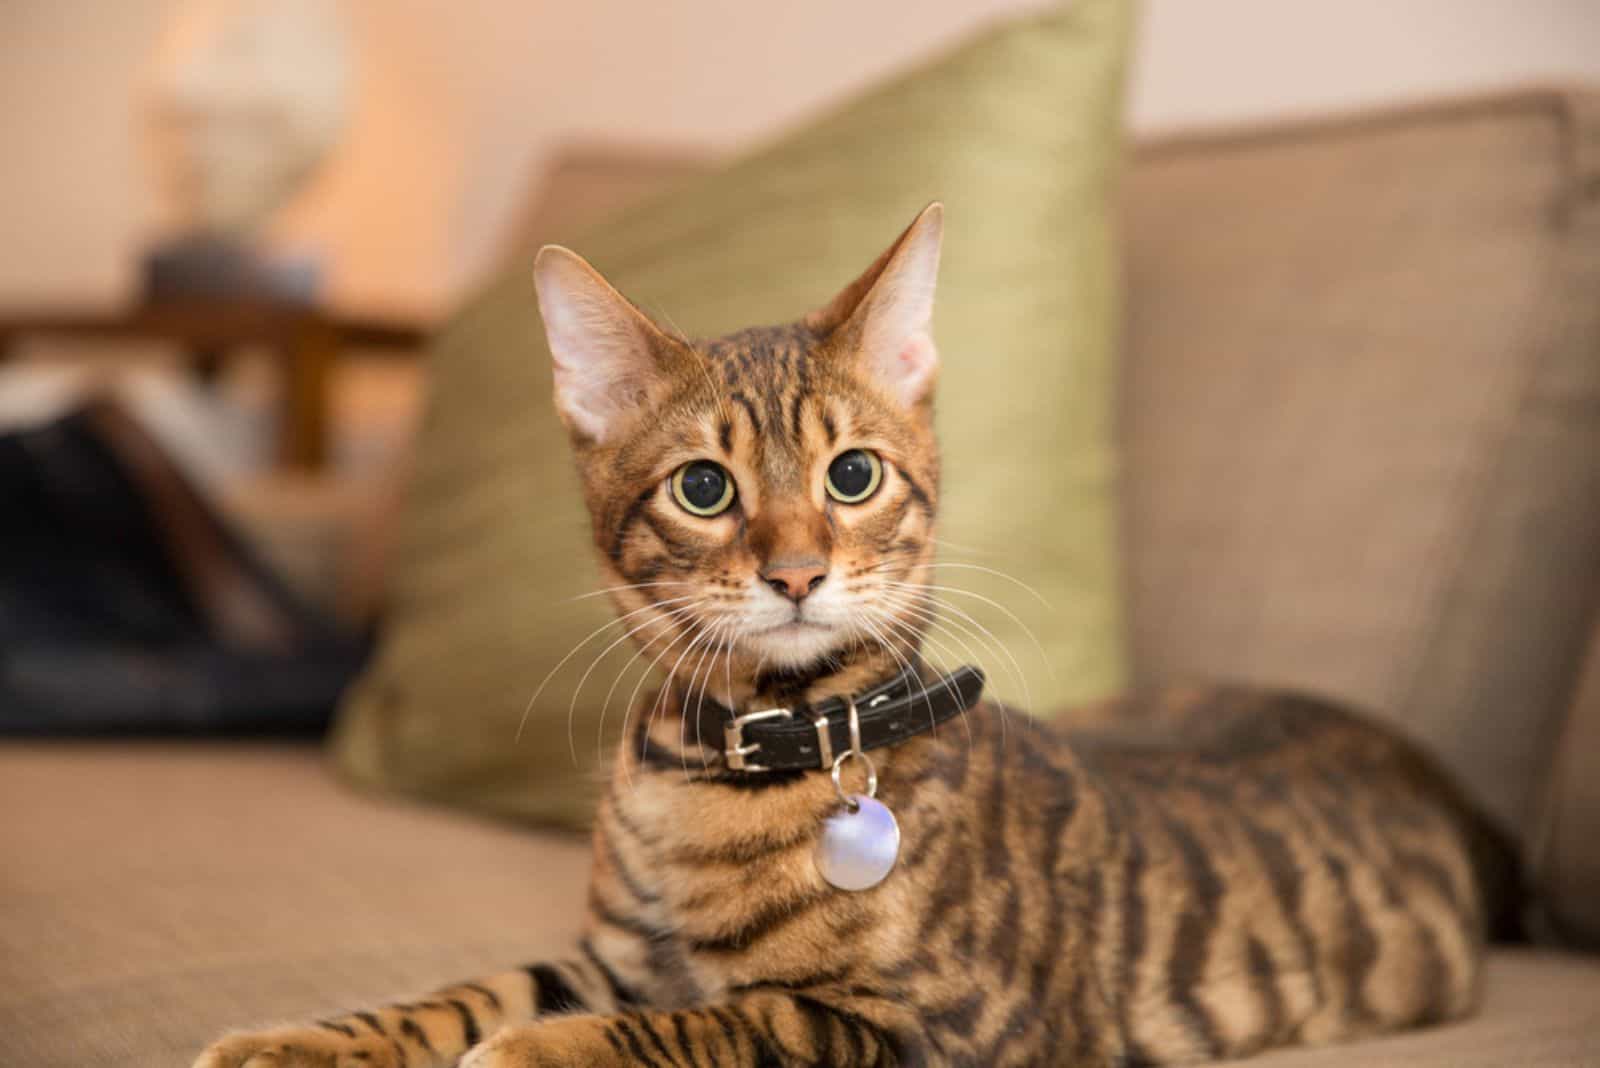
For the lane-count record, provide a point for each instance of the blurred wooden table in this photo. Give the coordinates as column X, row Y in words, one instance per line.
column 305, row 340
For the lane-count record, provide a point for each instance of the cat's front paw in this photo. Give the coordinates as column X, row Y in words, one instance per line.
column 300, row 1047
column 562, row 1042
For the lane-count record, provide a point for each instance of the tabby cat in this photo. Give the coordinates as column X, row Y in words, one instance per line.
column 1224, row 871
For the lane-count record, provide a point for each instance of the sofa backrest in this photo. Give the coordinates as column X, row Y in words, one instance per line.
column 1361, row 418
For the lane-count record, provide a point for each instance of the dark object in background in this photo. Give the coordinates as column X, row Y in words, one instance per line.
column 128, row 607
column 202, row 267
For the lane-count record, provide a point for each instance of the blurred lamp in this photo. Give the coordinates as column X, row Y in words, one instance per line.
column 246, row 107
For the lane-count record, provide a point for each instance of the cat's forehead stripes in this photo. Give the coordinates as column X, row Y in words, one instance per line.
column 770, row 380
column 760, row 356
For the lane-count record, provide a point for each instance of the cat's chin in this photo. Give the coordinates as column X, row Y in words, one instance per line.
column 795, row 645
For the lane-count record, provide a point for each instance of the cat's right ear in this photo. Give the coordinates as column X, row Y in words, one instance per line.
column 607, row 352
column 887, row 313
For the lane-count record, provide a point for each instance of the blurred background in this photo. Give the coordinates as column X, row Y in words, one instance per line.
column 440, row 125
column 386, row 155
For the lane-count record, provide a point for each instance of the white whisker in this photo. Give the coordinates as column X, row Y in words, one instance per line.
column 672, row 617
column 925, row 611
column 626, row 586
column 981, row 634
column 997, row 573
column 935, row 625
column 523, row 722
column 715, row 642
column 958, row 547
column 666, row 688
column 926, row 636
column 887, row 643
column 627, row 711
column 617, row 681
column 997, row 606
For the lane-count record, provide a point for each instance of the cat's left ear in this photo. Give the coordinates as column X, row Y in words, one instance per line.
column 608, row 354
column 887, row 313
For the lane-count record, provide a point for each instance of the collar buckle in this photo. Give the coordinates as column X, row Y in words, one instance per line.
column 736, row 750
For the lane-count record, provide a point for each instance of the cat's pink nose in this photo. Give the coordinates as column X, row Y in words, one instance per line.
column 795, row 580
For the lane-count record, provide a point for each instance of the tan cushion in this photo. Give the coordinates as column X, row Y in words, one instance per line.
column 152, row 897
column 1016, row 130
column 155, row 896
column 1360, row 418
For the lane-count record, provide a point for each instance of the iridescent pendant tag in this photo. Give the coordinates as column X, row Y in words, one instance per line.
column 859, row 846
column 861, row 842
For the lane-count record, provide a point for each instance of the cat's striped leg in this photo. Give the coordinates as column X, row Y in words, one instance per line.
column 434, row 1031
column 759, row 1029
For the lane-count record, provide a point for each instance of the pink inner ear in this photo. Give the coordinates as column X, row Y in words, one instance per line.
column 912, row 368
column 917, row 354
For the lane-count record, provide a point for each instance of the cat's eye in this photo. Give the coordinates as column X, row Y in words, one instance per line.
column 854, row 476
column 702, row 488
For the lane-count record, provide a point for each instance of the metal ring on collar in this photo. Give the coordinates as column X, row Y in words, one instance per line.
column 856, row 751
column 872, row 777
column 855, row 726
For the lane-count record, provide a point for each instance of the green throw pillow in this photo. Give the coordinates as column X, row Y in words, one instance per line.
column 1017, row 132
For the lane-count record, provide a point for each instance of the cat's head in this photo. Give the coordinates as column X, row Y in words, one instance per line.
column 769, row 496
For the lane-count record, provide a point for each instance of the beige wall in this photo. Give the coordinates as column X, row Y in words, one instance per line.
column 458, row 103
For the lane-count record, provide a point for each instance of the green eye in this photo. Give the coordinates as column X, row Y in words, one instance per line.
column 702, row 488
column 854, row 476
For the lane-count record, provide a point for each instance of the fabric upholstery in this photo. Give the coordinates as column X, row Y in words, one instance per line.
column 1568, row 849
column 1568, row 875
column 1360, row 419
column 1017, row 132
column 156, row 896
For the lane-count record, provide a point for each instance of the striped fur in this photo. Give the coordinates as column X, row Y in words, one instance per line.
column 1181, row 877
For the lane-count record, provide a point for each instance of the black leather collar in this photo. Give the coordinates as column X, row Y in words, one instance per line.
column 790, row 739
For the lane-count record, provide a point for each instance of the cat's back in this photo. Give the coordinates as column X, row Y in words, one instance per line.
column 1284, row 869
column 1213, row 720
column 1239, row 746
column 1207, row 737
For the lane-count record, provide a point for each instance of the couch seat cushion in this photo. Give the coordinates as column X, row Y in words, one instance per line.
column 154, row 896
